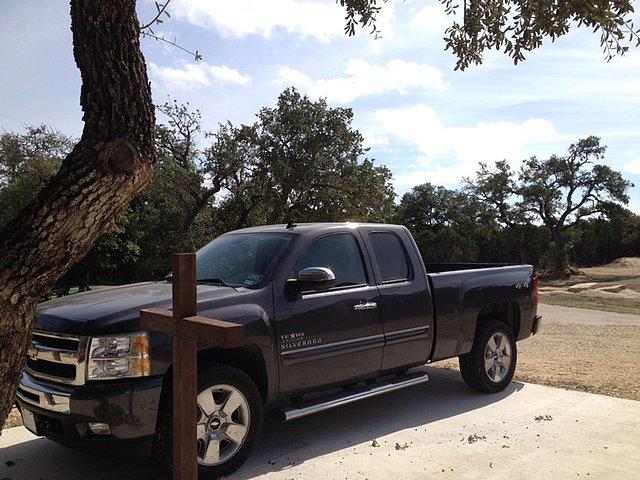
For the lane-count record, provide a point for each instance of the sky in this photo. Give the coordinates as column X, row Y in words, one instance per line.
column 422, row 119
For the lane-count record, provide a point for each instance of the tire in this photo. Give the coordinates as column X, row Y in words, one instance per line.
column 230, row 416
column 491, row 363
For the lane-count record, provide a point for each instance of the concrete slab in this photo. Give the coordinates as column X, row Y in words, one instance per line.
column 579, row 287
column 439, row 430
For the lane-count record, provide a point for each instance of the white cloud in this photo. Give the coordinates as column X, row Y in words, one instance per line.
column 632, row 167
column 290, row 76
column 239, row 18
column 375, row 140
column 484, row 142
column 190, row 76
column 436, row 175
column 229, row 75
column 431, row 20
column 363, row 79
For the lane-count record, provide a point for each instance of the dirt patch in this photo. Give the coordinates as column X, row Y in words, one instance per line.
column 611, row 288
column 625, row 262
column 600, row 359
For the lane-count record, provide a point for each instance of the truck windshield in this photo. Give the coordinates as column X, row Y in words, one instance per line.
column 241, row 260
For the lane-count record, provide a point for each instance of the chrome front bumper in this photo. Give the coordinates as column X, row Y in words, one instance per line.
column 43, row 396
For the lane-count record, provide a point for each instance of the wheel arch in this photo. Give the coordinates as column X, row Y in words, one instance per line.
column 247, row 358
column 507, row 312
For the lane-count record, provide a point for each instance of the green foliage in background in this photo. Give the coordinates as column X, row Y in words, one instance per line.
column 558, row 193
column 302, row 161
column 27, row 160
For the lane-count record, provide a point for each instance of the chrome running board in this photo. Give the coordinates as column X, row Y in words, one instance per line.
column 352, row 395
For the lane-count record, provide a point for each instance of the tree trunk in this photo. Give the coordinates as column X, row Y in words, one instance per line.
column 111, row 163
column 278, row 212
column 561, row 264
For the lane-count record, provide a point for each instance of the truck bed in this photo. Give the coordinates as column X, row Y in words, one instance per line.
column 463, row 294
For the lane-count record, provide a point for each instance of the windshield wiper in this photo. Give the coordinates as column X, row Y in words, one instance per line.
column 214, row 281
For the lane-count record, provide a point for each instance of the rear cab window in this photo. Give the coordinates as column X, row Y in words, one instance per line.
column 390, row 257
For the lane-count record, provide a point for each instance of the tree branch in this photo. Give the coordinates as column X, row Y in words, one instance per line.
column 160, row 10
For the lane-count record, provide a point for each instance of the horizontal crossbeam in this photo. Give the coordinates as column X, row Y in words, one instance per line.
column 208, row 331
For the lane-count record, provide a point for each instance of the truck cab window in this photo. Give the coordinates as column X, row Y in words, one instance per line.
column 241, row 260
column 390, row 256
column 340, row 253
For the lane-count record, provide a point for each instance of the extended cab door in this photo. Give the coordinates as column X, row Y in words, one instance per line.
column 405, row 303
column 330, row 336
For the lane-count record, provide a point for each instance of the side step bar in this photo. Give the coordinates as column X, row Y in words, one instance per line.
column 343, row 398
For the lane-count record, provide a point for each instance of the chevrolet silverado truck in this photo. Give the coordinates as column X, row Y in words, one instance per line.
column 333, row 313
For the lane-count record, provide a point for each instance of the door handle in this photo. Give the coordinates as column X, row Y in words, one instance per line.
column 365, row 306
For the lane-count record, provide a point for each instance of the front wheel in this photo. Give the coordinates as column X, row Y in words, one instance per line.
column 491, row 363
column 229, row 421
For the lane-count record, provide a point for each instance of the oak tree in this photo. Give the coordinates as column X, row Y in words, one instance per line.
column 301, row 162
column 558, row 192
column 111, row 162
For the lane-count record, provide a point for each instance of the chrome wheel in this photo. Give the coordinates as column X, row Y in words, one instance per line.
column 497, row 357
column 491, row 363
column 223, row 423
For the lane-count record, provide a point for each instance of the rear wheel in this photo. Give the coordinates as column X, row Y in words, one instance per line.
column 491, row 363
column 229, row 421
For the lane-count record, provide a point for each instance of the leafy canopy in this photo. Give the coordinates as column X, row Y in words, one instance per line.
column 301, row 162
column 517, row 26
column 27, row 161
column 559, row 191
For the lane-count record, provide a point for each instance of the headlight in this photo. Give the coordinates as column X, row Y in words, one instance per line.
column 119, row 356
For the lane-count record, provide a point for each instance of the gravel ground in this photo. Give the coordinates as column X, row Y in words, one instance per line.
column 583, row 350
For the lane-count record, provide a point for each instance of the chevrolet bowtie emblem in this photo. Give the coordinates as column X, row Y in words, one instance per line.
column 32, row 352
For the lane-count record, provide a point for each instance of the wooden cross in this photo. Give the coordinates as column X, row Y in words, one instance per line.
column 187, row 330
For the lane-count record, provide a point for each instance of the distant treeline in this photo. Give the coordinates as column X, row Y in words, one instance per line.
column 303, row 162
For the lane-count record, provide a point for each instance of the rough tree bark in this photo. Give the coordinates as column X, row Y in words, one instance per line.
column 110, row 164
column 560, row 260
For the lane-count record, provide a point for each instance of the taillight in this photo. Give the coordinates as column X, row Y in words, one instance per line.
column 535, row 291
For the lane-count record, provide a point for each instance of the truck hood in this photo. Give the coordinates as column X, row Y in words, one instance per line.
column 115, row 309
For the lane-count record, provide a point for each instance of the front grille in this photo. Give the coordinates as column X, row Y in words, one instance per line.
column 28, row 395
column 52, row 369
column 57, row 357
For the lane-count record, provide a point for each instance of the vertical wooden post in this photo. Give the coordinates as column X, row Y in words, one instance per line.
column 187, row 329
column 185, row 453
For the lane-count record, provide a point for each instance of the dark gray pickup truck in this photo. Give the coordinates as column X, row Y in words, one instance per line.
column 333, row 313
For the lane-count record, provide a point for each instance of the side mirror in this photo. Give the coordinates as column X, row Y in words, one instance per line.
column 312, row 278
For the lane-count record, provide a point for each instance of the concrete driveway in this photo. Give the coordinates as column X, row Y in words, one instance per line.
column 438, row 430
